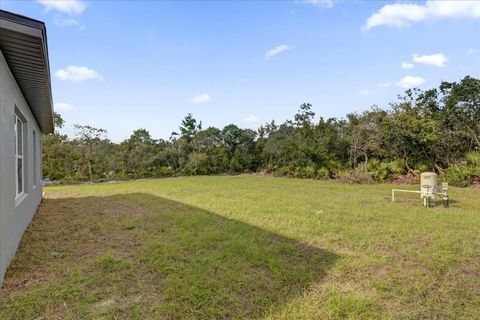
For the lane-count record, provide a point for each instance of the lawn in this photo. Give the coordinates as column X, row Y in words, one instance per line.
column 245, row 247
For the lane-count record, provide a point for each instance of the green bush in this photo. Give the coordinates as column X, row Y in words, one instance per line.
column 323, row 173
column 355, row 176
column 268, row 169
column 472, row 162
column 305, row 172
column 472, row 159
column 282, row 171
column 398, row 167
column 424, row 166
column 456, row 176
column 309, row 172
column 463, row 173
column 373, row 165
column 378, row 170
column 334, row 167
column 165, row 171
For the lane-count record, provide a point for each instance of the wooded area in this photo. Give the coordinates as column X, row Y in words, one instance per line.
column 436, row 129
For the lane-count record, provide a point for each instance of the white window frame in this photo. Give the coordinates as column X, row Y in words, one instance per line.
column 40, row 159
column 19, row 156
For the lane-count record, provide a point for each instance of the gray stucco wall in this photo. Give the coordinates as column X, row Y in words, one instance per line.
column 15, row 214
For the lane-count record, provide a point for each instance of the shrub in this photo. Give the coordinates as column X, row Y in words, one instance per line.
column 473, row 158
column 165, row 171
column 323, row 173
column 424, row 166
column 235, row 166
column 305, row 172
column 334, row 167
column 309, row 171
column 355, row 176
column 373, row 165
column 472, row 162
column 456, row 176
column 397, row 167
column 378, row 170
column 282, row 171
column 268, row 169
column 465, row 172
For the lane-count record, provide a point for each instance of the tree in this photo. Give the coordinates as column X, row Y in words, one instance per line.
column 426, row 129
column 366, row 135
column 54, row 151
column 189, row 127
column 138, row 154
column 461, row 104
column 89, row 138
column 58, row 122
column 240, row 148
column 304, row 119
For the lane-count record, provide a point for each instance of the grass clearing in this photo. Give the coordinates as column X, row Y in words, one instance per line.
column 245, row 247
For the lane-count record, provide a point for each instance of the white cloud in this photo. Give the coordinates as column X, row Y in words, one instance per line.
column 251, row 119
column 407, row 65
column 410, row 82
column 401, row 15
column 471, row 51
column 384, row 85
column 274, row 51
column 363, row 92
column 63, row 106
column 66, row 22
column 65, row 6
column 437, row 60
column 77, row 74
column 201, row 98
column 320, row 3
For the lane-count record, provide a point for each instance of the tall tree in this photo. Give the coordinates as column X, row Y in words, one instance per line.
column 89, row 137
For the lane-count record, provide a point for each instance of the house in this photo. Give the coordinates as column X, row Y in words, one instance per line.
column 26, row 113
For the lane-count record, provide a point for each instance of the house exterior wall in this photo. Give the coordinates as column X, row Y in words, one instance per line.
column 16, row 214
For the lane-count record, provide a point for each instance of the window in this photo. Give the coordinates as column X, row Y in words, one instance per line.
column 19, row 172
column 40, row 159
column 35, row 157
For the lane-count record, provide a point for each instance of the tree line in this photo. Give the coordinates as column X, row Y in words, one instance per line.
column 436, row 129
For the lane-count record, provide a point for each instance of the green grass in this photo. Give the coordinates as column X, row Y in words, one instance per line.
column 245, row 248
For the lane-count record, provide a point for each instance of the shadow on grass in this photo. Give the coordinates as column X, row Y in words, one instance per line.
column 140, row 255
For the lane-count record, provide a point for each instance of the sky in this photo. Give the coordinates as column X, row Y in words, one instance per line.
column 126, row 65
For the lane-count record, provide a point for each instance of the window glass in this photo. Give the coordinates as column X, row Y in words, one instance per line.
column 19, row 163
column 19, row 175
column 34, row 159
column 19, row 137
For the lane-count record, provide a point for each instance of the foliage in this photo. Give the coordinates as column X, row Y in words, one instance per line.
column 305, row 172
column 378, row 170
column 436, row 129
column 357, row 175
column 465, row 172
column 456, row 175
column 397, row 167
column 323, row 172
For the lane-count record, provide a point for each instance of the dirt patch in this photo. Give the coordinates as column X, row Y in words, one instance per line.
column 475, row 183
column 420, row 243
column 125, row 208
column 406, row 179
column 77, row 230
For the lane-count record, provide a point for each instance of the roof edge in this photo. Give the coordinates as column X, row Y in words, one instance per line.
column 37, row 29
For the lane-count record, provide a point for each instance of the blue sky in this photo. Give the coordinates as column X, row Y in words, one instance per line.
column 125, row 65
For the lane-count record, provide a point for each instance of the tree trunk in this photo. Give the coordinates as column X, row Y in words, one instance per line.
column 366, row 162
column 90, row 170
